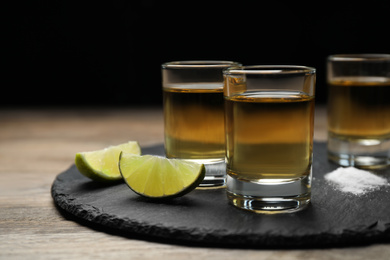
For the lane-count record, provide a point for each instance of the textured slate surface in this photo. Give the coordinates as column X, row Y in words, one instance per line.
column 204, row 217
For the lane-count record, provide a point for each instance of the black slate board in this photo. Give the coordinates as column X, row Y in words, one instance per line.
column 204, row 217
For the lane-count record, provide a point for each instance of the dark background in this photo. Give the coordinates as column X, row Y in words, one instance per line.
column 82, row 53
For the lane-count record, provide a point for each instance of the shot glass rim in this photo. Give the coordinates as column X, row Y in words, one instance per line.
column 192, row 64
column 360, row 57
column 269, row 69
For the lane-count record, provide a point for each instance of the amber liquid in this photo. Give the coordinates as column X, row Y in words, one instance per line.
column 194, row 121
column 359, row 108
column 269, row 135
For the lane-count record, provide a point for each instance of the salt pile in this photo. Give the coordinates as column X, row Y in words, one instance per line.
column 355, row 181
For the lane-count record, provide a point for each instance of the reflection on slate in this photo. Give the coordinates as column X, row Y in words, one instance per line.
column 204, row 217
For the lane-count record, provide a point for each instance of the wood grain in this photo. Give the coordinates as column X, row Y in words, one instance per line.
column 37, row 144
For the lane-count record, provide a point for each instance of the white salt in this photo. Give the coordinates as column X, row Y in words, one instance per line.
column 355, row 181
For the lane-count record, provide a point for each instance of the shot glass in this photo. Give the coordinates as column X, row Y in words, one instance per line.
column 359, row 110
column 269, row 116
column 194, row 115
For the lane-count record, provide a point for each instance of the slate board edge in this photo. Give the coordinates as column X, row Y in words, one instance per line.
column 95, row 218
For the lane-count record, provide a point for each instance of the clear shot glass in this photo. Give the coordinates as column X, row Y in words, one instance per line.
column 269, row 116
column 194, row 115
column 359, row 110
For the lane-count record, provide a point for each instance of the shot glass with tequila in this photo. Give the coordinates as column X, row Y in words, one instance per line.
column 194, row 115
column 359, row 110
column 269, row 115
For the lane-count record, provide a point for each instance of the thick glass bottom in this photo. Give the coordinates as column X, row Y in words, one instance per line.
column 215, row 173
column 362, row 153
column 270, row 196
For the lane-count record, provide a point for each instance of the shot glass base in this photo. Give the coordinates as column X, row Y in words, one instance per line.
column 213, row 182
column 362, row 153
column 270, row 196
column 215, row 173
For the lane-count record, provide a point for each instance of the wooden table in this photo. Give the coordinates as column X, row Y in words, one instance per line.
column 38, row 144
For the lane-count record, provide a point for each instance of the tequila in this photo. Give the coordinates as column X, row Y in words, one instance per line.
column 359, row 108
column 269, row 135
column 194, row 121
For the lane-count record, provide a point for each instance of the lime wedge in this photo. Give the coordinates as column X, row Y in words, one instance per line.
column 102, row 165
column 158, row 177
